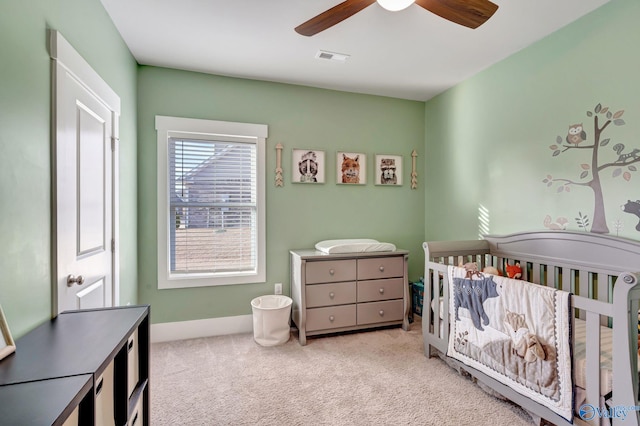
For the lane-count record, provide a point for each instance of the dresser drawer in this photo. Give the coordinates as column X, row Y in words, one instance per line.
column 137, row 417
column 380, row 267
column 331, row 317
column 73, row 419
column 104, row 401
column 371, row 291
column 330, row 294
column 328, row 271
column 133, row 363
column 373, row 312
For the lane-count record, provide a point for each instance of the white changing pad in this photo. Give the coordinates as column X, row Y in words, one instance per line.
column 359, row 245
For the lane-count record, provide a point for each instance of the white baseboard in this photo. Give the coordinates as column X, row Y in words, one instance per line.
column 170, row 331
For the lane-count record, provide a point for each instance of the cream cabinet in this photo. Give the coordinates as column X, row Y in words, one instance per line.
column 342, row 292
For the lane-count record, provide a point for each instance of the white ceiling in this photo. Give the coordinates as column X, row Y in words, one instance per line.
column 411, row 54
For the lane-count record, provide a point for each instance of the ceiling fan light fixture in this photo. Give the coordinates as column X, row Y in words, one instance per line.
column 395, row 5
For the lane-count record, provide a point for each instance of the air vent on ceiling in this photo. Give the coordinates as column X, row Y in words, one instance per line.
column 332, row 56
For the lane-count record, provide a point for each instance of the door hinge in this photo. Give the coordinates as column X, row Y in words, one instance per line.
column 113, row 245
column 114, row 141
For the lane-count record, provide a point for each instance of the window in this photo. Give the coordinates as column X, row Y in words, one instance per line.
column 211, row 208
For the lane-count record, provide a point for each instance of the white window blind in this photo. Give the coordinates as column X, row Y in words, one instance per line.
column 211, row 202
column 212, row 206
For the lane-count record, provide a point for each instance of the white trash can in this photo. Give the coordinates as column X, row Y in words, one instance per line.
column 271, row 315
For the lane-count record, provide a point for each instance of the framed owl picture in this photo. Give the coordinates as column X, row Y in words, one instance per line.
column 388, row 170
column 351, row 168
column 308, row 166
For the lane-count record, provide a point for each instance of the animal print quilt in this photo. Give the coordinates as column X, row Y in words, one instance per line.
column 514, row 331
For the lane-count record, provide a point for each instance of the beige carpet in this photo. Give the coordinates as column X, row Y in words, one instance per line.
column 372, row 378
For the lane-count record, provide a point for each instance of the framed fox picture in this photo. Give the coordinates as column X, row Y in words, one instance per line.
column 351, row 168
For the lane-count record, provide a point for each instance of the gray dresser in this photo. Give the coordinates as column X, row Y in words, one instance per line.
column 349, row 291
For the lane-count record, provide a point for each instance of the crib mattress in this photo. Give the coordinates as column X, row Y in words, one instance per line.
column 580, row 360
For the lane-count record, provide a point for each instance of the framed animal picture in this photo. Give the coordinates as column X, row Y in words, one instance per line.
column 351, row 168
column 308, row 166
column 388, row 169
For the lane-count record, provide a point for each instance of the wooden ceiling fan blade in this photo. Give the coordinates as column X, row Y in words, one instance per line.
column 469, row 13
column 332, row 16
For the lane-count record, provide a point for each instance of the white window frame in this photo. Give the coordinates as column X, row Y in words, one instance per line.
column 178, row 127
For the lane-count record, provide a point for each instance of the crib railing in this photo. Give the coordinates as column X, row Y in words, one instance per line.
column 597, row 300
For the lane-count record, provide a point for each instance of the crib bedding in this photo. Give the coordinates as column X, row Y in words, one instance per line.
column 516, row 332
column 358, row 245
column 579, row 352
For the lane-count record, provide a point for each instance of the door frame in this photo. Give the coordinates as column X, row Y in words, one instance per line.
column 71, row 62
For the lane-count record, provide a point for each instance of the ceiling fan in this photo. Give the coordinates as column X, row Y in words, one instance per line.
column 469, row 13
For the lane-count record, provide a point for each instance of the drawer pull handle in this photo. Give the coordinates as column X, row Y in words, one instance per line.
column 130, row 345
column 381, row 290
column 135, row 419
column 332, row 295
column 381, row 268
column 331, row 272
column 99, row 386
column 381, row 313
column 331, row 318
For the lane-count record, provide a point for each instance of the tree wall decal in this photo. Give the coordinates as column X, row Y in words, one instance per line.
column 621, row 163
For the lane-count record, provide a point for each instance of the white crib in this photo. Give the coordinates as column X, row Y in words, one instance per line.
column 602, row 272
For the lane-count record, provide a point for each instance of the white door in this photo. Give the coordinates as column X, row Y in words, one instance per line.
column 84, row 197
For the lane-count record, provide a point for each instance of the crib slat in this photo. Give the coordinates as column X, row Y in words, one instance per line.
column 583, row 288
column 445, row 309
column 433, row 294
column 566, row 279
column 603, row 294
column 603, row 287
column 552, row 277
column 583, row 283
column 481, row 260
column 593, row 359
column 535, row 269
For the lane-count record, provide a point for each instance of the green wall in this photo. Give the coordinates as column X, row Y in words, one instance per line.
column 25, row 146
column 298, row 215
column 488, row 139
column 483, row 145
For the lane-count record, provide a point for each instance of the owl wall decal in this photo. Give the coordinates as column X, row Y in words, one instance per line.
column 576, row 134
